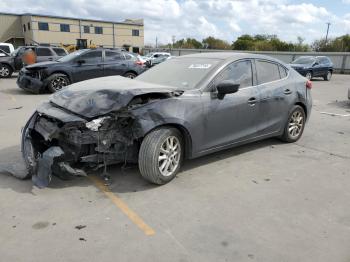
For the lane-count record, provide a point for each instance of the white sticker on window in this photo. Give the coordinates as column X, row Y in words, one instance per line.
column 199, row 66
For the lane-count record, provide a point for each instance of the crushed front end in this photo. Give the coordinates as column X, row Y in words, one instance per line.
column 57, row 142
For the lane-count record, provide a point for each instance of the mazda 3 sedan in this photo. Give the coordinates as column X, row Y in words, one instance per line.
column 184, row 108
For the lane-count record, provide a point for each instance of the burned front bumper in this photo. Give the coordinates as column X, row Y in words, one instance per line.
column 55, row 142
column 30, row 81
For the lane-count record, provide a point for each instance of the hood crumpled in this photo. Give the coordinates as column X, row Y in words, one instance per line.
column 100, row 96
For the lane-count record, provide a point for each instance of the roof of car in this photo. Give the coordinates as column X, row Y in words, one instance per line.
column 228, row 55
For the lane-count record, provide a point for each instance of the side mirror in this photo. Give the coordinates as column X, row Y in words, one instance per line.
column 315, row 64
column 81, row 61
column 226, row 87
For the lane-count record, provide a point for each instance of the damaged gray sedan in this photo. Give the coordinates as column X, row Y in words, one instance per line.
column 186, row 107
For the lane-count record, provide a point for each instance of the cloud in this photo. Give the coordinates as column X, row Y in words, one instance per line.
column 226, row 19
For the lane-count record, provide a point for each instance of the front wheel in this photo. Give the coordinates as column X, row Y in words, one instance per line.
column 295, row 125
column 5, row 71
column 161, row 155
column 328, row 76
column 308, row 75
column 57, row 82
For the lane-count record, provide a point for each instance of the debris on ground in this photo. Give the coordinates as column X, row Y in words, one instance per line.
column 14, row 108
column 80, row 227
column 82, row 239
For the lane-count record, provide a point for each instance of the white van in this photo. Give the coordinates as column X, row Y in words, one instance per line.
column 6, row 47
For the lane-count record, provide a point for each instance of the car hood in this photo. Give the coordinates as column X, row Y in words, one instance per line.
column 41, row 65
column 101, row 96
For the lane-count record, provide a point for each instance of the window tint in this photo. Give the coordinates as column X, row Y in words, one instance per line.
column 59, row 51
column 92, row 57
column 98, row 30
column 283, row 71
column 239, row 72
column 42, row 51
column 5, row 48
column 64, row 28
column 324, row 60
column 113, row 56
column 43, row 26
column 135, row 32
column 267, row 72
column 86, row 29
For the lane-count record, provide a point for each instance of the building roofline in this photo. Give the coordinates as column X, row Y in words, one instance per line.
column 74, row 18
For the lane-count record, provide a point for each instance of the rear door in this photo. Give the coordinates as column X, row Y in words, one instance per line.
column 275, row 95
column 88, row 65
column 44, row 54
column 114, row 63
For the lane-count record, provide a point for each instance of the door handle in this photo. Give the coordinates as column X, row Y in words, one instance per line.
column 252, row 101
column 287, row 91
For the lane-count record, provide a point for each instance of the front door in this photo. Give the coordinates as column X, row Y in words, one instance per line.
column 233, row 118
column 88, row 65
column 114, row 63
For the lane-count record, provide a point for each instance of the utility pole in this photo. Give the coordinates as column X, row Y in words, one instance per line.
column 156, row 42
column 328, row 24
column 173, row 38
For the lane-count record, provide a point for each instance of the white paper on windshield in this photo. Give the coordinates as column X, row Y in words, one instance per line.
column 199, row 66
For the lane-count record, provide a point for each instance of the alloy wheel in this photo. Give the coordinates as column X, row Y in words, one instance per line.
column 296, row 123
column 329, row 75
column 59, row 82
column 308, row 75
column 4, row 71
column 169, row 156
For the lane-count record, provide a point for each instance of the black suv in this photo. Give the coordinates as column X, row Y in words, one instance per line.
column 13, row 62
column 78, row 66
column 313, row 66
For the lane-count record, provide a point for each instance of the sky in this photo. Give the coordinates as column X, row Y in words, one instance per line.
column 225, row 19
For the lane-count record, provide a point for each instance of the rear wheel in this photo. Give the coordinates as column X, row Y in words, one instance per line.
column 308, row 75
column 161, row 155
column 328, row 76
column 57, row 82
column 295, row 125
column 130, row 75
column 5, row 71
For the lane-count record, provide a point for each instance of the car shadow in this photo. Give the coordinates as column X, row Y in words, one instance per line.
column 123, row 178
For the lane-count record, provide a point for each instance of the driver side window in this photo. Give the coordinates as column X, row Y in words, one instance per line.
column 239, row 72
column 92, row 57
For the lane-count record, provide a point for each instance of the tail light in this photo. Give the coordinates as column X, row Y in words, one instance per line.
column 308, row 84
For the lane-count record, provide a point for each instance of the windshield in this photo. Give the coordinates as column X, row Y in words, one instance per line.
column 71, row 56
column 149, row 55
column 184, row 73
column 304, row 60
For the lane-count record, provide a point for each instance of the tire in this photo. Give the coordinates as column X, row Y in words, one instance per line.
column 5, row 71
column 155, row 146
column 56, row 82
column 295, row 125
column 130, row 75
column 308, row 75
column 328, row 76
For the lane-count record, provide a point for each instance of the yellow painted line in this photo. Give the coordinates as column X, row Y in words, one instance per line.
column 136, row 219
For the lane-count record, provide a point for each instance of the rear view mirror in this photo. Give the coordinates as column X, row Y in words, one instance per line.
column 226, row 87
column 81, row 61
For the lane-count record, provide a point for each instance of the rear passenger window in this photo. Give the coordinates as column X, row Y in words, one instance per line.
column 267, row 72
column 239, row 72
column 113, row 56
column 59, row 51
column 43, row 51
column 283, row 71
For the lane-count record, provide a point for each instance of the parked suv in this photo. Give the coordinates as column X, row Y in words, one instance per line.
column 314, row 66
column 77, row 66
column 13, row 62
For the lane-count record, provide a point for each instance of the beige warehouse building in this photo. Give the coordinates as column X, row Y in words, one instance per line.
column 27, row 29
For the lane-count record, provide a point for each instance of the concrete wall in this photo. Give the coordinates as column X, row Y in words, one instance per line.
column 341, row 60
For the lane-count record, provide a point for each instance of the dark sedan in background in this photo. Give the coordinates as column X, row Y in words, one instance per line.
column 77, row 66
column 314, row 66
column 185, row 107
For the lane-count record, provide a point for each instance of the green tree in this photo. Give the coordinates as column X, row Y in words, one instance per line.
column 215, row 43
